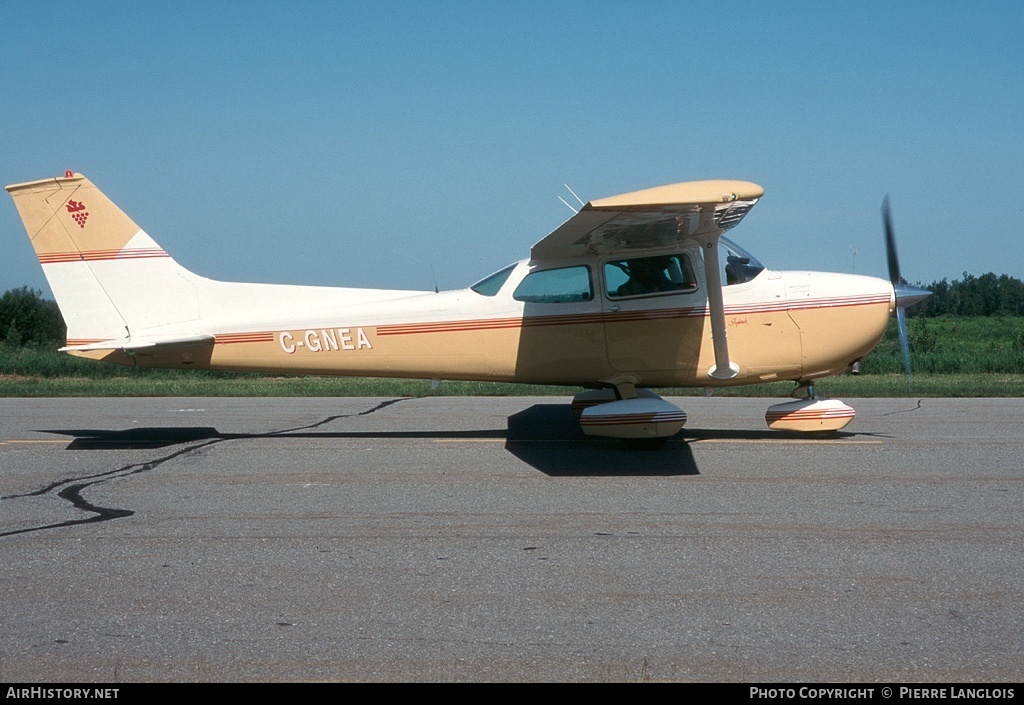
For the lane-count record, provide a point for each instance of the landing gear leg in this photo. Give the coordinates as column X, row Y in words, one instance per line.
column 804, row 390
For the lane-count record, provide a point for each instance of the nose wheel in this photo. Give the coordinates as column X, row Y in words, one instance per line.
column 809, row 414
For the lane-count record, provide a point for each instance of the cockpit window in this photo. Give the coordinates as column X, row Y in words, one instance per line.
column 643, row 276
column 739, row 265
column 556, row 286
column 491, row 285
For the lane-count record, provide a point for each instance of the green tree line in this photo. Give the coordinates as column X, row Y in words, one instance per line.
column 970, row 297
column 29, row 320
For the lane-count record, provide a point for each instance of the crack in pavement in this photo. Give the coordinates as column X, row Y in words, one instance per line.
column 70, row 489
column 903, row 411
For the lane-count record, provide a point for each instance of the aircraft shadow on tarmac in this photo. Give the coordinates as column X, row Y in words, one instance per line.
column 548, row 437
column 545, row 436
column 546, row 441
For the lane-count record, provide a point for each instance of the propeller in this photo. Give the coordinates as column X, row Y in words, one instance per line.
column 906, row 295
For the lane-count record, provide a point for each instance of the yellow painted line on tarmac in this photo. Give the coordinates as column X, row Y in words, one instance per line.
column 775, row 441
column 512, row 440
column 30, row 440
column 472, row 440
column 795, row 441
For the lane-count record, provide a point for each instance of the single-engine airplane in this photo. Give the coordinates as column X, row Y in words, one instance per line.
column 630, row 293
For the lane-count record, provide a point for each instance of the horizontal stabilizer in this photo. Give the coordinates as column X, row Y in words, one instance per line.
column 140, row 342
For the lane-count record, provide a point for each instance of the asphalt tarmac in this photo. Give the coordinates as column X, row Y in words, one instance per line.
column 484, row 539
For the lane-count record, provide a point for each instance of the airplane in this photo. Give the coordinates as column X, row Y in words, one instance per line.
column 631, row 292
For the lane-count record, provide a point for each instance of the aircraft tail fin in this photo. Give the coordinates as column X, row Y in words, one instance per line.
column 109, row 277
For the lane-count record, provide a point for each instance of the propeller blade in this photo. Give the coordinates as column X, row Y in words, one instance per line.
column 905, row 295
column 901, row 324
column 890, row 243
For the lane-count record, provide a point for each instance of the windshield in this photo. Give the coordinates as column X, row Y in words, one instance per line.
column 490, row 285
column 738, row 265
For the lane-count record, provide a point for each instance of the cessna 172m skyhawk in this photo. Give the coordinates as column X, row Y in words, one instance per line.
column 627, row 294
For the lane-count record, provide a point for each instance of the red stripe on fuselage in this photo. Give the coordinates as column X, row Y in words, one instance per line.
column 623, row 316
column 603, row 317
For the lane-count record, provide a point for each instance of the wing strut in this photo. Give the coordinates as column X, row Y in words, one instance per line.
column 708, row 239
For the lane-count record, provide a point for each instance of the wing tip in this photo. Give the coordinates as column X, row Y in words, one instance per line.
column 684, row 193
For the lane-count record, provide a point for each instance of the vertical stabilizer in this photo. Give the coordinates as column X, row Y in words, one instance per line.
column 110, row 279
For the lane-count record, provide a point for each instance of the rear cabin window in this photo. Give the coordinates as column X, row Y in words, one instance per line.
column 556, row 286
column 644, row 276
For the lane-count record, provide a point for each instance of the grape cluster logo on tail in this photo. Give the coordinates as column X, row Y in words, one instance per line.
column 78, row 212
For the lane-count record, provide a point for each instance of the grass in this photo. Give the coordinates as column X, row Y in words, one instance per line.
column 953, row 346
column 186, row 384
column 194, row 385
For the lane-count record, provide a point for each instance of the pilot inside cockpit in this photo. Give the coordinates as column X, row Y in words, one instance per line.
column 646, row 276
column 650, row 275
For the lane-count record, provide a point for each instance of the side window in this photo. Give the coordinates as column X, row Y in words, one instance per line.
column 556, row 286
column 642, row 276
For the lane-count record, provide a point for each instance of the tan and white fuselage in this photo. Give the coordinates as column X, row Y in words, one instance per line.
column 565, row 316
column 781, row 325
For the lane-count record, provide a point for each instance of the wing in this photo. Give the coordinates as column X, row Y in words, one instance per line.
column 662, row 217
column 655, row 217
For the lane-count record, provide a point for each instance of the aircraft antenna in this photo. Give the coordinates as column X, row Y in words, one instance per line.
column 412, row 259
column 568, row 205
column 574, row 194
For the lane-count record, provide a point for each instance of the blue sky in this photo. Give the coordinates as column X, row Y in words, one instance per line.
column 403, row 144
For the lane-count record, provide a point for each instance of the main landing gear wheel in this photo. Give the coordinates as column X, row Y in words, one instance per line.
column 643, row 422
